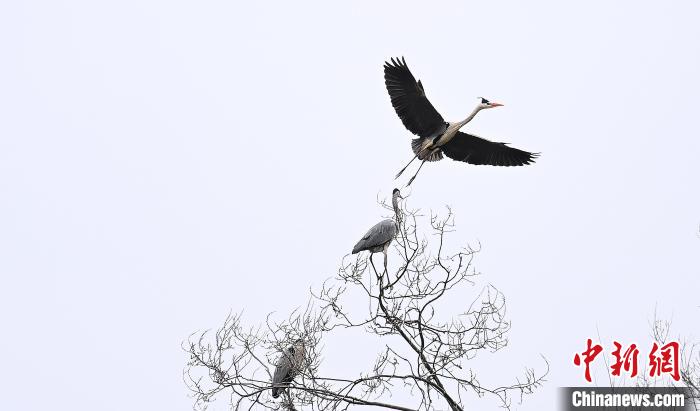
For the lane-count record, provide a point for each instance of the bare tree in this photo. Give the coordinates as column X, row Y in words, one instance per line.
column 689, row 362
column 426, row 350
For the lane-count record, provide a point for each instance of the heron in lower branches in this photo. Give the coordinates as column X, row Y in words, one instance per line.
column 379, row 237
column 288, row 366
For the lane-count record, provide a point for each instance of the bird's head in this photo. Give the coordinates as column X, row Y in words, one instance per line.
column 396, row 193
column 485, row 103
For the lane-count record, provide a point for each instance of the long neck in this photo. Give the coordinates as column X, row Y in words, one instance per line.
column 470, row 117
column 397, row 210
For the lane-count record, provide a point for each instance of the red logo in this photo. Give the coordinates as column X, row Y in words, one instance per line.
column 626, row 361
column 588, row 356
column 666, row 362
column 662, row 360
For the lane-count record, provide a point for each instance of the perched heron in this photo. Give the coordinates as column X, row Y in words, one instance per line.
column 379, row 237
column 437, row 136
column 288, row 367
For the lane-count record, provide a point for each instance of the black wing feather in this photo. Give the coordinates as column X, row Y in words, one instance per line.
column 476, row 150
column 409, row 100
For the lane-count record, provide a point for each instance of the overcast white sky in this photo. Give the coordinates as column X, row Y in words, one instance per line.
column 162, row 161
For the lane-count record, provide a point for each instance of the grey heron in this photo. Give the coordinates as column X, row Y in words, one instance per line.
column 379, row 237
column 288, row 366
column 437, row 136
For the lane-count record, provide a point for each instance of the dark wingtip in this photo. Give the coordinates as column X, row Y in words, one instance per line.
column 531, row 158
column 395, row 62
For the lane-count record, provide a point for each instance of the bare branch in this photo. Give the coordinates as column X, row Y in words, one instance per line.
column 410, row 300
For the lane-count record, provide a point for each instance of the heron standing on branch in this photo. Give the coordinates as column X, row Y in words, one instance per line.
column 379, row 237
column 437, row 136
column 288, row 366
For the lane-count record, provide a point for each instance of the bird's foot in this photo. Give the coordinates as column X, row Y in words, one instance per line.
column 410, row 181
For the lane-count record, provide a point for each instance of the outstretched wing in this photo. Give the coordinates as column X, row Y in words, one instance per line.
column 381, row 233
column 409, row 100
column 476, row 150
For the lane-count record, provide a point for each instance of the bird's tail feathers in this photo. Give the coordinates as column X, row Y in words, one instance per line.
column 357, row 248
column 417, row 145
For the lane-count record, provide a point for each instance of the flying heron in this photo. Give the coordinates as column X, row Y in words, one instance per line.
column 437, row 136
column 380, row 236
column 288, row 366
